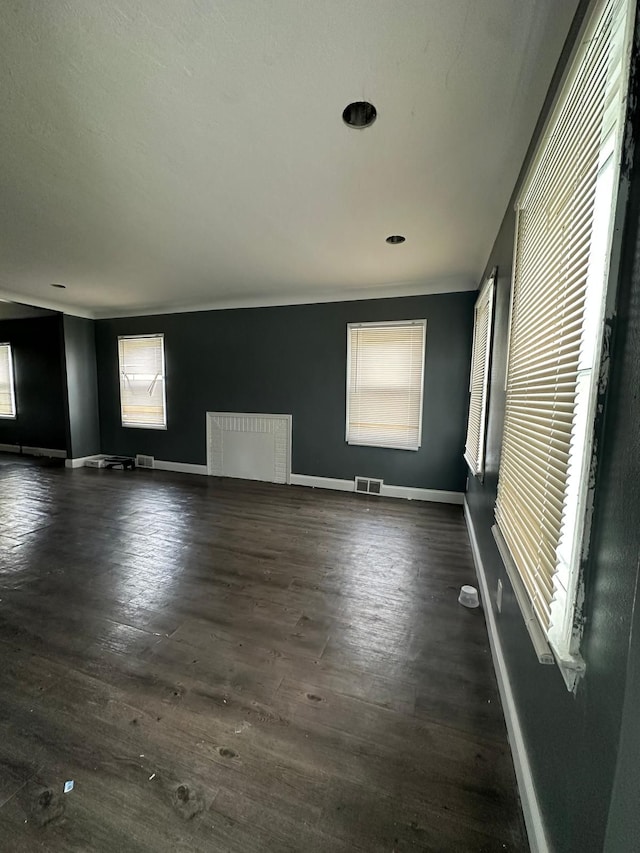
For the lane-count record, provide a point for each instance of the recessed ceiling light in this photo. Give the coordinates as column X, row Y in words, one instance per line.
column 359, row 114
column 396, row 238
column 61, row 286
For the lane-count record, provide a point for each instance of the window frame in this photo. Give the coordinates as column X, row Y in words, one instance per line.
column 12, row 384
column 385, row 325
column 487, row 291
column 162, row 426
column 561, row 643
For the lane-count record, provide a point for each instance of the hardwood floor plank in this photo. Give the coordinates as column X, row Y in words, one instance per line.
column 231, row 666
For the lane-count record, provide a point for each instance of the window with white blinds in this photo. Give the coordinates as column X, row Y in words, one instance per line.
column 561, row 267
column 479, row 380
column 7, row 391
column 385, row 379
column 142, row 381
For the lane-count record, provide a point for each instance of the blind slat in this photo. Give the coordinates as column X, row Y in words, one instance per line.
column 7, row 391
column 142, row 381
column 561, row 208
column 474, row 443
column 385, row 384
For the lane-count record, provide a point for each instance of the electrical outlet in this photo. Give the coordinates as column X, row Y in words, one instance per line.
column 499, row 596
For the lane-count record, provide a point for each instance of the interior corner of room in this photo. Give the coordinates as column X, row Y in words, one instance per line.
column 344, row 387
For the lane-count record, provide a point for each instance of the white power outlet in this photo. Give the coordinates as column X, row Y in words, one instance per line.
column 499, row 596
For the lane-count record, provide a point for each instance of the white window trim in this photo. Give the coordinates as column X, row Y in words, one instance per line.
column 12, row 385
column 162, row 426
column 562, row 642
column 487, row 291
column 385, row 325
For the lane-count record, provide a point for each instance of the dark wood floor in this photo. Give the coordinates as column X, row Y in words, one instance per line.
column 227, row 666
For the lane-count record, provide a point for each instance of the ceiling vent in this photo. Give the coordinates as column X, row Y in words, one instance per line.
column 368, row 486
column 144, row 461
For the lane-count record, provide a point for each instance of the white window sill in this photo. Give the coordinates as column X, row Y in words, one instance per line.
column 572, row 667
column 384, row 446
column 144, row 426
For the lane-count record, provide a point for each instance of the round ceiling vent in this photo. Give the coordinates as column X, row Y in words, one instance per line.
column 359, row 114
column 394, row 239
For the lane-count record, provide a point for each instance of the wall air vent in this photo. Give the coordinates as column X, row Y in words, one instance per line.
column 144, row 461
column 368, row 486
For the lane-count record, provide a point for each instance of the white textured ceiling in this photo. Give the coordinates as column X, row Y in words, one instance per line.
column 188, row 153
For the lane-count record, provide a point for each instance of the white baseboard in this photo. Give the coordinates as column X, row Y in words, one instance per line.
column 407, row 492
column 181, row 467
column 323, row 482
column 10, row 448
column 44, row 451
column 526, row 787
column 333, row 483
column 79, row 461
column 413, row 494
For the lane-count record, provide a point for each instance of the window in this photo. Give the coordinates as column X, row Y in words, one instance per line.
column 385, row 378
column 7, row 392
column 479, row 379
column 142, row 384
column 561, row 266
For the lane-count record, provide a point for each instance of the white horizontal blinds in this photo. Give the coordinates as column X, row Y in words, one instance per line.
column 478, row 384
column 7, row 396
column 142, row 392
column 385, row 381
column 562, row 212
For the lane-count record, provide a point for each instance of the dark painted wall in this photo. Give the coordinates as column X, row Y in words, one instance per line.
column 292, row 360
column 572, row 741
column 40, row 394
column 619, row 549
column 83, row 426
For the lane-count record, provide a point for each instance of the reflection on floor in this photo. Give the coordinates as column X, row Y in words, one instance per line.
column 230, row 666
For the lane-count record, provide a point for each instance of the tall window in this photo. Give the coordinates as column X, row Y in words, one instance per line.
column 142, row 381
column 7, row 391
column 561, row 268
column 479, row 379
column 385, row 378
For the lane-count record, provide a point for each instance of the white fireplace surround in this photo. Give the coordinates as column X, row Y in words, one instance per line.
column 249, row 446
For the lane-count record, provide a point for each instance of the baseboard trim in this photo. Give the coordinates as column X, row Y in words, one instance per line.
column 44, row 451
column 180, row 467
column 526, row 786
column 10, row 448
column 322, row 482
column 79, row 461
column 411, row 494
column 434, row 495
column 406, row 492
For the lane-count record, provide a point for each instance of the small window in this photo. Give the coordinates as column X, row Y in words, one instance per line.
column 385, row 378
column 565, row 219
column 479, row 379
column 7, row 391
column 142, row 381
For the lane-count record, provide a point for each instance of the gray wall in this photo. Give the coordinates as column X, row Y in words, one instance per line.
column 292, row 360
column 40, row 394
column 83, row 426
column 620, row 548
column 572, row 741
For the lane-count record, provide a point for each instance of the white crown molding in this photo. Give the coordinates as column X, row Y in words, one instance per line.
column 49, row 304
column 447, row 284
column 452, row 284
